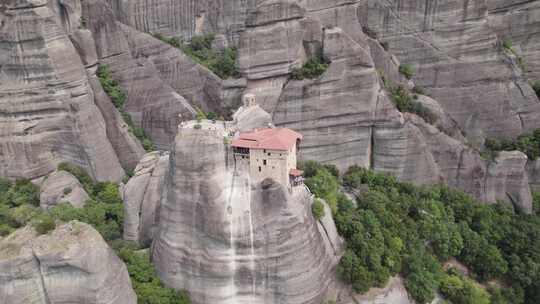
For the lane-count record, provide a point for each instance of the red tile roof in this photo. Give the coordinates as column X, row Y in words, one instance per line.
column 296, row 172
column 270, row 138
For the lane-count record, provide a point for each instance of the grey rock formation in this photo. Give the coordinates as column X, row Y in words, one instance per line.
column 338, row 112
column 421, row 153
column 518, row 22
column 272, row 42
column 459, row 59
column 507, row 178
column 142, row 195
column 254, row 243
column 123, row 141
column 443, row 122
column 251, row 117
column 186, row 18
column 50, row 115
column 151, row 102
column 62, row 187
column 533, row 173
column 72, row 264
column 327, row 227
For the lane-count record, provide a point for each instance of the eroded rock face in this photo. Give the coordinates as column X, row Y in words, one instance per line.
column 518, row 22
column 460, row 60
column 272, row 43
column 256, row 243
column 338, row 112
column 50, row 115
column 421, row 153
column 72, row 264
column 142, row 196
column 62, row 187
column 508, row 179
column 185, row 18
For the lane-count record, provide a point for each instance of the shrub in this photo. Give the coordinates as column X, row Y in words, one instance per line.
column 211, row 115
column 43, row 223
column 111, row 86
column 310, row 168
column 118, row 98
column 313, row 68
column 317, row 208
column 463, row 291
column 21, row 215
column 146, row 283
column 527, row 143
column 507, row 44
column 67, row 190
column 406, row 103
column 220, row 62
column 324, row 185
column 23, row 192
column 407, row 70
column 197, row 126
column 418, row 90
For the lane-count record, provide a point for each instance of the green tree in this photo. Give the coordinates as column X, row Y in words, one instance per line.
column 407, row 70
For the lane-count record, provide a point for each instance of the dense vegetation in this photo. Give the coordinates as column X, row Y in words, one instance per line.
column 19, row 206
column 118, row 98
column 313, row 68
column 221, row 62
column 526, row 143
column 406, row 102
column 397, row 228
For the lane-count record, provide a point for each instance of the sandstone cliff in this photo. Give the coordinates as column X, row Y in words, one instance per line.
column 48, row 105
column 142, row 196
column 71, row 264
column 256, row 243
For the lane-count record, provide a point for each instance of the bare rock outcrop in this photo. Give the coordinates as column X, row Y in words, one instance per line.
column 460, row 60
column 518, row 22
column 49, row 112
column 255, row 243
column 71, row 264
column 151, row 102
column 338, row 112
column 186, row 18
column 421, row 153
column 62, row 187
column 508, row 178
column 272, row 42
column 142, row 195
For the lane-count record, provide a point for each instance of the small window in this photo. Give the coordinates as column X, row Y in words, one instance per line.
column 259, row 168
column 264, row 162
column 269, row 154
column 264, row 151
